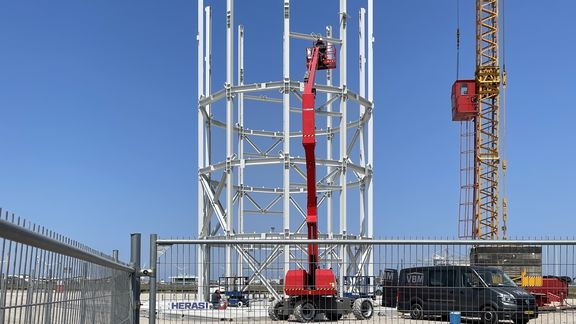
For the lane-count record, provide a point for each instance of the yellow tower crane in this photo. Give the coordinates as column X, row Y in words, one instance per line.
column 477, row 103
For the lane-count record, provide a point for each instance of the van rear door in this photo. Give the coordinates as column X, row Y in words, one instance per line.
column 389, row 283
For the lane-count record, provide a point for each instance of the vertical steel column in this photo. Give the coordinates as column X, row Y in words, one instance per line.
column 135, row 247
column 343, row 140
column 208, row 85
column 329, row 137
column 362, row 110
column 229, row 125
column 286, row 130
column 371, row 131
column 240, row 142
column 200, row 148
column 152, row 298
column 205, row 283
column 362, row 157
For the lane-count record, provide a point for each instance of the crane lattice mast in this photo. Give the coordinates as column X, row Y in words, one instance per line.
column 487, row 125
column 476, row 104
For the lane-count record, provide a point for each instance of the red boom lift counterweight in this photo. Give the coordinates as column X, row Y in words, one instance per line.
column 313, row 292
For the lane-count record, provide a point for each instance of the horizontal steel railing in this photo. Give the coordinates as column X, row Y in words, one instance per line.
column 22, row 235
column 365, row 241
column 542, row 269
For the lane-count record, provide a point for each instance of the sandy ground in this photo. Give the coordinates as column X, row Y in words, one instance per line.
column 257, row 313
column 565, row 317
column 15, row 313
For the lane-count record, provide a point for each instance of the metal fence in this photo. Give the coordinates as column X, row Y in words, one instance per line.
column 47, row 278
column 410, row 281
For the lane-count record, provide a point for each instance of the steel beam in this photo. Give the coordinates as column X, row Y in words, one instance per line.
column 200, row 135
column 343, row 139
column 370, row 182
column 286, row 130
column 229, row 125
column 330, row 98
column 313, row 37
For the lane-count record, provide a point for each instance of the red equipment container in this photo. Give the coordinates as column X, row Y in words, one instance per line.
column 553, row 290
column 464, row 100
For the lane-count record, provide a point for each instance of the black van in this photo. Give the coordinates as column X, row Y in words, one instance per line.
column 474, row 291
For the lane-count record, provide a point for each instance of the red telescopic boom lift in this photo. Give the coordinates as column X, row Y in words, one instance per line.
column 313, row 292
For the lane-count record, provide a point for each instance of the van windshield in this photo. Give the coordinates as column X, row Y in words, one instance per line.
column 495, row 278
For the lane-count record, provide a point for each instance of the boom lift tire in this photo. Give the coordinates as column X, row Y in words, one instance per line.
column 304, row 311
column 275, row 311
column 363, row 308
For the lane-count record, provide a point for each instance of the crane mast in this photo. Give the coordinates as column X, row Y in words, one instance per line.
column 476, row 103
column 487, row 125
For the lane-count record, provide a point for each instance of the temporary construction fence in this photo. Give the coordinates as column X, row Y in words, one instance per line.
column 47, row 278
column 50, row 279
column 415, row 281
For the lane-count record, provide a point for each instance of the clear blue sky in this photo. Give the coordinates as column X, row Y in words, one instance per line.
column 98, row 112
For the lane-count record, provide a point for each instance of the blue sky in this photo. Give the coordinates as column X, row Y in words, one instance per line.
column 98, row 111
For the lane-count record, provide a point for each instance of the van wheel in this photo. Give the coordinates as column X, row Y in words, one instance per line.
column 416, row 311
column 489, row 315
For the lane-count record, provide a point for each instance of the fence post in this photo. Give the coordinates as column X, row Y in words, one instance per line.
column 152, row 298
column 50, row 291
column 83, row 288
column 3, row 282
column 135, row 247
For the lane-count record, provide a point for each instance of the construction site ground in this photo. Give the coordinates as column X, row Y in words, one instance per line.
column 258, row 313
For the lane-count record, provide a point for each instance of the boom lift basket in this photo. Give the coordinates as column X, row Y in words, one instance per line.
column 327, row 55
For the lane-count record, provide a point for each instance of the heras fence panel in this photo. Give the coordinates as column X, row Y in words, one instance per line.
column 408, row 281
column 50, row 279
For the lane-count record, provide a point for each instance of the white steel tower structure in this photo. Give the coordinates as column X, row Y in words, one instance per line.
column 235, row 154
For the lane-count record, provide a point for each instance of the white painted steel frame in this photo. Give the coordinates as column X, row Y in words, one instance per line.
column 341, row 174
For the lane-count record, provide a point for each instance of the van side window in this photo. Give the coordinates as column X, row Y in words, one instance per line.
column 437, row 278
column 470, row 279
column 444, row 278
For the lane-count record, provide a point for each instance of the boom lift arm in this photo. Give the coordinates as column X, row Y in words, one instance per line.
column 314, row 291
column 309, row 143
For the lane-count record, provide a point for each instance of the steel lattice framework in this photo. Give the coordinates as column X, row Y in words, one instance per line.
column 226, row 189
column 487, row 146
